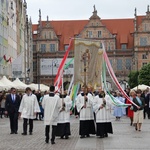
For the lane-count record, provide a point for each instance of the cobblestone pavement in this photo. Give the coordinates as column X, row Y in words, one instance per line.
column 124, row 138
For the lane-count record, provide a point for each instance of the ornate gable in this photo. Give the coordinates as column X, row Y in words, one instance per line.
column 95, row 29
column 145, row 25
column 45, row 30
column 142, row 37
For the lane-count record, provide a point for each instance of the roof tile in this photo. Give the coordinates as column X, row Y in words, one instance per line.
column 66, row 29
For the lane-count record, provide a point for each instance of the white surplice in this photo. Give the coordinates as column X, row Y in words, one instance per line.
column 64, row 116
column 29, row 106
column 102, row 115
column 51, row 106
column 85, row 113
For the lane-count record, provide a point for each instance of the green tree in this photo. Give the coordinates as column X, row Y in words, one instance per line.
column 133, row 79
column 144, row 75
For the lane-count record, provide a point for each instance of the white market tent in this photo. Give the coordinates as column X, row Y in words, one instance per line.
column 20, row 85
column 42, row 87
column 141, row 87
column 8, row 83
column 3, row 86
column 45, row 87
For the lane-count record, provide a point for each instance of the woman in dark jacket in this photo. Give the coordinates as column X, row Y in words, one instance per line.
column 138, row 110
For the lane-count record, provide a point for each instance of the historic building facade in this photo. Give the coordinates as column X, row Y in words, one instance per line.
column 15, row 40
column 141, row 39
column 122, row 39
column 8, row 41
column 20, row 65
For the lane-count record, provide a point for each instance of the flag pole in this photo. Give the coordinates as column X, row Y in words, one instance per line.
column 62, row 78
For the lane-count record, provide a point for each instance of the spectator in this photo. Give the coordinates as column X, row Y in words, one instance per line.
column 3, row 105
column 138, row 109
column 12, row 106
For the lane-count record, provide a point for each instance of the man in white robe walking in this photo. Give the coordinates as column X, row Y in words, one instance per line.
column 84, row 103
column 102, row 109
column 52, row 105
column 63, row 126
column 28, row 109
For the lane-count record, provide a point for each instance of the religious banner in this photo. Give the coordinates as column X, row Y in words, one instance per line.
column 88, row 62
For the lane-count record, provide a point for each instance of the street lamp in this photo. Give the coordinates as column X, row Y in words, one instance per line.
column 28, row 78
column 136, row 67
column 136, row 59
column 38, row 71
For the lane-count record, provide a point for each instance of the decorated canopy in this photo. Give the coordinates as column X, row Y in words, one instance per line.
column 90, row 64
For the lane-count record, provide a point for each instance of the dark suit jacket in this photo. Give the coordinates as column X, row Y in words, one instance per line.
column 148, row 100
column 10, row 106
column 136, row 102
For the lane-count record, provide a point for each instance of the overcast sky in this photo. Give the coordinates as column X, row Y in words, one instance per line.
column 82, row 9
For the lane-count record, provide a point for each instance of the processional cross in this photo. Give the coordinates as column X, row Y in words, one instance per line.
column 86, row 61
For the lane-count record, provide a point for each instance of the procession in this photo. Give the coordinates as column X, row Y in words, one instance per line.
column 57, row 123
column 74, row 75
column 93, row 106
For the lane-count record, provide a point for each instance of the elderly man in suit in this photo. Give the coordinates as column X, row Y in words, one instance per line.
column 12, row 106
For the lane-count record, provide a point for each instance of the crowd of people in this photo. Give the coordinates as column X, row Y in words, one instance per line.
column 93, row 108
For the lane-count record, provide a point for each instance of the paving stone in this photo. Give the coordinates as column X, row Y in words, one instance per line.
column 124, row 138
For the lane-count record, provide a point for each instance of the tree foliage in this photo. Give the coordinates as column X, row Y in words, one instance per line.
column 133, row 79
column 144, row 75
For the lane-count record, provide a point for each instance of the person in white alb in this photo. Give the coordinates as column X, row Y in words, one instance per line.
column 28, row 109
column 102, row 109
column 52, row 105
column 84, row 103
column 63, row 126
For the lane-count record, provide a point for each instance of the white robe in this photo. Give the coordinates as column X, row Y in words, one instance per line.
column 29, row 106
column 51, row 106
column 102, row 115
column 64, row 116
column 85, row 113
